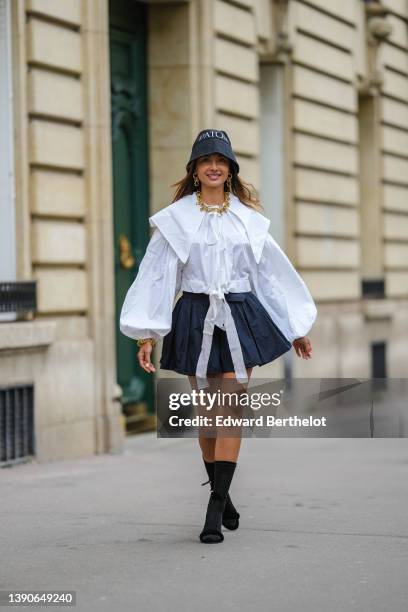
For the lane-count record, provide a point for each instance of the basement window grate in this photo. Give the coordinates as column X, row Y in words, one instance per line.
column 373, row 288
column 378, row 360
column 16, row 424
column 18, row 296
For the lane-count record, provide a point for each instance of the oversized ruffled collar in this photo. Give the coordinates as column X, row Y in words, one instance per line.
column 180, row 221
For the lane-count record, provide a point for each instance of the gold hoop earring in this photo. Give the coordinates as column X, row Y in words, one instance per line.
column 229, row 181
column 196, row 179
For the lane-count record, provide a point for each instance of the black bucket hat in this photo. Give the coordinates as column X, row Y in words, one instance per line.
column 213, row 141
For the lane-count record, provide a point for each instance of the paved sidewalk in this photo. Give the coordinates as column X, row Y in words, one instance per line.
column 323, row 528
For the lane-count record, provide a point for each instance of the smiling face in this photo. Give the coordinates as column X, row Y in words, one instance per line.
column 212, row 170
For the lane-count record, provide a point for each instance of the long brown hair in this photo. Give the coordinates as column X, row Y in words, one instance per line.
column 244, row 191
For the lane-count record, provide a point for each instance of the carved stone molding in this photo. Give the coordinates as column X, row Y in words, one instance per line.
column 279, row 49
column 378, row 30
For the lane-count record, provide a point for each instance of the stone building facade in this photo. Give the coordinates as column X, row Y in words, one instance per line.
column 100, row 104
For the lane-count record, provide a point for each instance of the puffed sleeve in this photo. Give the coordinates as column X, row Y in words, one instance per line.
column 148, row 305
column 282, row 292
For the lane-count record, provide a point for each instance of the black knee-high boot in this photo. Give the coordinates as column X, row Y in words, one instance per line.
column 230, row 516
column 223, row 474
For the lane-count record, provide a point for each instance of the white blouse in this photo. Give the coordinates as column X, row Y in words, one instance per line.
column 208, row 252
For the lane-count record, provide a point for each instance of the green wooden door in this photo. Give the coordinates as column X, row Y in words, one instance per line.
column 130, row 177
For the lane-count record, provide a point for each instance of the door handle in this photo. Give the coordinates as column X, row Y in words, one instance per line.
column 125, row 253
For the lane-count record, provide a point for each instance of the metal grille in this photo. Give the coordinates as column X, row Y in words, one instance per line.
column 373, row 288
column 378, row 360
column 16, row 423
column 18, row 296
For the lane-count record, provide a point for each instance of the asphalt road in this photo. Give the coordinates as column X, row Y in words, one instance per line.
column 323, row 528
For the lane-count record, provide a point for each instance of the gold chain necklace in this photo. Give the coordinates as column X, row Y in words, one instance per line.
column 213, row 207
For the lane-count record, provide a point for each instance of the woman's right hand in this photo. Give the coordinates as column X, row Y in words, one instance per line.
column 143, row 356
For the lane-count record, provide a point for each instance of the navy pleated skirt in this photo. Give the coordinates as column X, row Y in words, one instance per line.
column 261, row 340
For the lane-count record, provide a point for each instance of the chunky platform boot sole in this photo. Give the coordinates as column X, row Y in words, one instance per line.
column 211, row 537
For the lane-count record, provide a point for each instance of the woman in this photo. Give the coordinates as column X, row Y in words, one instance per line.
column 243, row 303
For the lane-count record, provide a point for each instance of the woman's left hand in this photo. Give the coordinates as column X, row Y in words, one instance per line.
column 303, row 347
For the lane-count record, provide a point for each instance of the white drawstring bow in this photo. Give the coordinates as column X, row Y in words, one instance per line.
column 219, row 311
